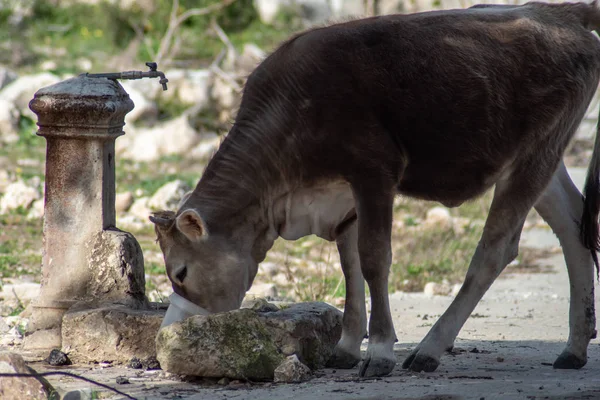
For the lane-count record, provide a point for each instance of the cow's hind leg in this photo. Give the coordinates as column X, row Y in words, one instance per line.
column 354, row 324
column 513, row 198
column 561, row 205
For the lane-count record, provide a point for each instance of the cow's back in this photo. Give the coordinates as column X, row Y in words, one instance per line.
column 471, row 85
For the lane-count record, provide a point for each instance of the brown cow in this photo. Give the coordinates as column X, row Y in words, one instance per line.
column 439, row 106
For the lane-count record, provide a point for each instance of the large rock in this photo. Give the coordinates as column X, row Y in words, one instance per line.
column 144, row 109
column 117, row 262
column 311, row 11
column 21, row 91
column 6, row 76
column 235, row 345
column 9, row 122
column 167, row 197
column 309, row 330
column 110, row 334
column 249, row 344
column 18, row 195
column 176, row 136
column 22, row 388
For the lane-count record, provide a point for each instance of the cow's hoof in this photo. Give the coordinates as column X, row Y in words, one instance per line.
column 419, row 362
column 342, row 359
column 371, row 367
column 569, row 361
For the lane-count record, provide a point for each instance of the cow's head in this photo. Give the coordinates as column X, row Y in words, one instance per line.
column 211, row 270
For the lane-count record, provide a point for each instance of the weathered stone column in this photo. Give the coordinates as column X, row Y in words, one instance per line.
column 85, row 258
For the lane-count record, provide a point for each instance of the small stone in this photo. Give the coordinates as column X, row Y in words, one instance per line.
column 266, row 290
column 151, row 363
column 259, row 305
column 438, row 217
column 223, row 381
column 291, row 370
column 58, row 358
column 437, row 289
column 135, row 363
column 121, row 380
column 500, row 359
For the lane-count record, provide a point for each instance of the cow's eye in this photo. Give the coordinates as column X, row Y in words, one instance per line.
column 181, row 274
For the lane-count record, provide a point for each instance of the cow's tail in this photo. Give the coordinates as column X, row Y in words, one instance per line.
column 590, row 232
column 590, row 229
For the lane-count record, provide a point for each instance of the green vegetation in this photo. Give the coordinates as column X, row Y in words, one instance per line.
column 20, row 245
column 104, row 31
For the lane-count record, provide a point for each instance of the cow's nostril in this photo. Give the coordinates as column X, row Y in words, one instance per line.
column 181, row 274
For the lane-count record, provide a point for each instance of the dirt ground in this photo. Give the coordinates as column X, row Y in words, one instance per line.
column 504, row 351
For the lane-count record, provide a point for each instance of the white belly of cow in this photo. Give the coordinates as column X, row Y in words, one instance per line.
column 316, row 210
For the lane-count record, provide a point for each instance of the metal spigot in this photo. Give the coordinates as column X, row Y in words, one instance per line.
column 153, row 73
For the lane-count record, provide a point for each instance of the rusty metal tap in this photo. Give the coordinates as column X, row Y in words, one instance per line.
column 153, row 73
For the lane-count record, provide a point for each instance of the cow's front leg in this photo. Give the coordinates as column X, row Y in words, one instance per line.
column 374, row 210
column 354, row 325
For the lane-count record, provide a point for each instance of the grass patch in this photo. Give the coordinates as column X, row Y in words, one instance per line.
column 20, row 246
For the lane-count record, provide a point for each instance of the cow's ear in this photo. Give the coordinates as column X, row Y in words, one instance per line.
column 190, row 223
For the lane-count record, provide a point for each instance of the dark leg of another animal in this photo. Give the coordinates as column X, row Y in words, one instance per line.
column 561, row 205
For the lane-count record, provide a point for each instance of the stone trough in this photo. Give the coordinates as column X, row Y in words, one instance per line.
column 250, row 343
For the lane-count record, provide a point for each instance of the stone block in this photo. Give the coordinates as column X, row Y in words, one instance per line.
column 249, row 343
column 17, row 388
column 110, row 334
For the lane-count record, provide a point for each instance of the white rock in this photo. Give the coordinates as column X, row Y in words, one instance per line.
column 176, row 136
column 291, row 370
column 132, row 223
column 9, row 121
column 268, row 9
column 123, row 201
column 267, row 290
column 167, row 197
column 24, row 292
column 17, row 195
column 48, row 65
column 437, row 289
column 438, row 217
column 37, row 209
column 224, row 94
column 144, row 109
column 140, row 209
column 3, row 326
column 455, row 289
column 21, row 91
column 251, row 56
column 4, row 180
column 194, row 88
column 84, row 64
column 6, row 76
column 206, row 148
